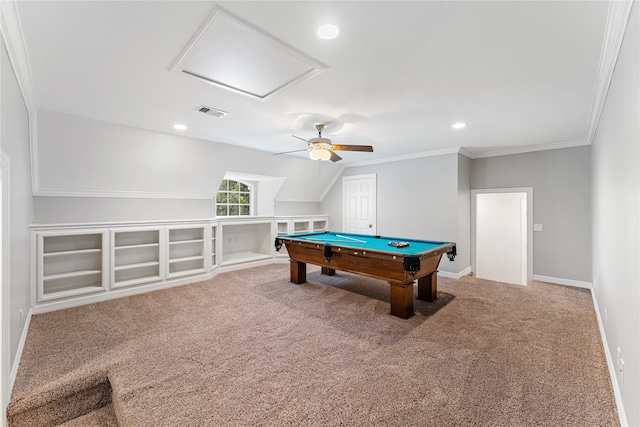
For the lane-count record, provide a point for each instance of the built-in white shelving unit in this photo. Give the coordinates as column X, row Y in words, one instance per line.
column 136, row 257
column 81, row 263
column 186, row 251
column 71, row 264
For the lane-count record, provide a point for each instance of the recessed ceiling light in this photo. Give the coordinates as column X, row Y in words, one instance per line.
column 328, row 31
column 179, row 127
column 459, row 125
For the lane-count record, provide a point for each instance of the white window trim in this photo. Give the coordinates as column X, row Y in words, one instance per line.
column 251, row 199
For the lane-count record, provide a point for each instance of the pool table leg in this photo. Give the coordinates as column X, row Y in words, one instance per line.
column 401, row 298
column 328, row 271
column 298, row 271
column 428, row 287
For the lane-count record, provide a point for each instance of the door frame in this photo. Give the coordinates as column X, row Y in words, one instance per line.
column 373, row 178
column 529, row 193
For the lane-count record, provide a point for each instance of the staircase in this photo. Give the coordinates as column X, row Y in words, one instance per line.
column 72, row 402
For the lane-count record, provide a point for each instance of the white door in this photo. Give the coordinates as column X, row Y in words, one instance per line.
column 501, row 237
column 359, row 204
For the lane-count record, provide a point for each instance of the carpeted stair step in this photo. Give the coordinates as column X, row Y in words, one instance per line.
column 103, row 417
column 57, row 403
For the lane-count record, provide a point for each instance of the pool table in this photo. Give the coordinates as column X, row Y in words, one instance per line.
column 399, row 261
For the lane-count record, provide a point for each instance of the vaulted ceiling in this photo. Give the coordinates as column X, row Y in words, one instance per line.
column 522, row 75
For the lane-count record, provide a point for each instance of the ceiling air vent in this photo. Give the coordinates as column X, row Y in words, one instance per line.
column 211, row 111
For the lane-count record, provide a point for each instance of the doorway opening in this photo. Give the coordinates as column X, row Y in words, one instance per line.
column 502, row 234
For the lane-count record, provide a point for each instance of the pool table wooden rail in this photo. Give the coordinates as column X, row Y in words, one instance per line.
column 388, row 266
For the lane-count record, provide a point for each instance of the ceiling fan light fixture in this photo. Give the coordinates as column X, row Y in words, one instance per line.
column 320, row 154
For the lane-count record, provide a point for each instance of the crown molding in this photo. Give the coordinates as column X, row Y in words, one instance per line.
column 51, row 192
column 463, row 151
column 432, row 153
column 618, row 16
column 482, row 154
column 530, row 149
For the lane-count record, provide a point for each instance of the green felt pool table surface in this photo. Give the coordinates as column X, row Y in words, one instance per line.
column 369, row 242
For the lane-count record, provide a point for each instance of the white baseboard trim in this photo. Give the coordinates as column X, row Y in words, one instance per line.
column 243, row 265
column 16, row 360
column 611, row 365
column 565, row 282
column 458, row 275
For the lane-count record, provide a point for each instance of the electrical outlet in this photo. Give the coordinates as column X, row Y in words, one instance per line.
column 618, row 360
column 537, row 227
column 621, row 371
column 20, row 311
column 605, row 316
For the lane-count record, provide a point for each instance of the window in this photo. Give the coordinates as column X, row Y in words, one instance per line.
column 233, row 198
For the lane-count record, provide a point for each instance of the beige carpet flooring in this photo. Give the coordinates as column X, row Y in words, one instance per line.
column 249, row 348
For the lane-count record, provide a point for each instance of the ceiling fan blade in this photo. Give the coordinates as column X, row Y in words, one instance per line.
column 366, row 148
column 334, row 157
column 300, row 138
column 293, row 151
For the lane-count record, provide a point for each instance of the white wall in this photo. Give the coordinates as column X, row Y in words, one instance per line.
column 616, row 217
column 416, row 198
column 298, row 208
column 14, row 141
column 149, row 175
column 561, row 203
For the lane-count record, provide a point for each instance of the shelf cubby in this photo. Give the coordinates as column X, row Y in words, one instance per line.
column 320, row 225
column 136, row 257
column 186, row 251
column 246, row 242
column 71, row 264
column 300, row 227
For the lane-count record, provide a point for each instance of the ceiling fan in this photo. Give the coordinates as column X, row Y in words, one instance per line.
column 322, row 149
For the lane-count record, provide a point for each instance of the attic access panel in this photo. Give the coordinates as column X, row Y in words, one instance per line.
column 234, row 55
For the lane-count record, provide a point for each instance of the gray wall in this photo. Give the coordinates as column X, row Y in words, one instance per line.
column 464, row 213
column 416, row 198
column 14, row 140
column 144, row 175
column 616, row 217
column 561, row 203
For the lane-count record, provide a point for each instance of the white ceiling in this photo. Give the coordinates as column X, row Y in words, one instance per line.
column 520, row 74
